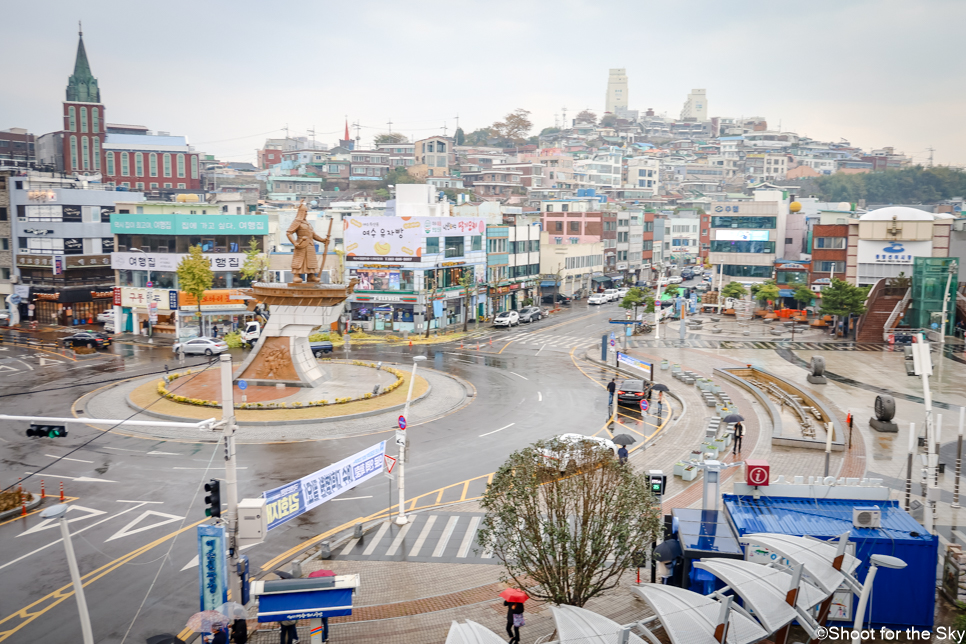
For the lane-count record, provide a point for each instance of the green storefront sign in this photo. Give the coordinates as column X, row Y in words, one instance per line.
column 190, row 224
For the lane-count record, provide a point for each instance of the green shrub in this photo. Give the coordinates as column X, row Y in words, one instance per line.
column 233, row 340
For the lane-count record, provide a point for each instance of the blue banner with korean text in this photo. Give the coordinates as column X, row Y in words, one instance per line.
column 212, row 566
column 291, row 500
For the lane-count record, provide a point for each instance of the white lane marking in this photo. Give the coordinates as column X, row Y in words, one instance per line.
column 348, row 548
column 519, row 376
column 497, row 430
column 53, row 523
column 25, row 364
column 468, row 538
column 156, row 453
column 45, row 361
column 444, row 539
column 64, row 458
column 121, row 449
column 79, row 479
column 126, row 530
column 376, row 539
column 194, row 560
column 4, row 367
column 542, row 347
column 73, row 532
column 141, row 502
column 394, row 547
column 539, row 397
column 423, row 536
column 352, row 498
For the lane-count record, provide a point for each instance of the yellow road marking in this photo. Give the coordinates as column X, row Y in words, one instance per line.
column 32, row 611
column 29, row 346
column 67, row 499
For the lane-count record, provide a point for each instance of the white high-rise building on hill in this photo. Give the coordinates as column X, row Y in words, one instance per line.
column 616, row 100
column 696, row 106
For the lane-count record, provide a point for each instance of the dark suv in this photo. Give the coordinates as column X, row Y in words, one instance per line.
column 549, row 299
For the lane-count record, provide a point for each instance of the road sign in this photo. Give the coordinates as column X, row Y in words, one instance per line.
column 611, row 335
column 150, row 284
column 644, row 405
column 612, row 341
column 390, row 463
column 242, row 385
column 757, row 472
column 400, row 438
column 402, row 422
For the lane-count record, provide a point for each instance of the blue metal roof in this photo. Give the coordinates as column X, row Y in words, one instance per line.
column 820, row 518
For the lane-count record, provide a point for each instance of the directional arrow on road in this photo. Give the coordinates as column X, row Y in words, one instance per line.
column 79, row 479
column 52, row 523
column 46, row 361
column 126, row 530
column 4, row 367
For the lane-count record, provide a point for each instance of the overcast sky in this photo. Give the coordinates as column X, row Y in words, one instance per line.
column 230, row 74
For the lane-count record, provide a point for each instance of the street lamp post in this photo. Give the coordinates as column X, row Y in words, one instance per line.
column 58, row 512
column 402, row 519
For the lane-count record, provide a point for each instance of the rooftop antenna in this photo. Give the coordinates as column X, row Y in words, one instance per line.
column 931, row 150
column 444, row 128
column 390, row 125
column 565, row 118
column 457, row 121
column 312, row 132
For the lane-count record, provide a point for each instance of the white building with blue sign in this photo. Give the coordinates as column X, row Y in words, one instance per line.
column 886, row 241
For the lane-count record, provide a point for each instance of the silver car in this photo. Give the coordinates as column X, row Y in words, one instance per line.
column 207, row 346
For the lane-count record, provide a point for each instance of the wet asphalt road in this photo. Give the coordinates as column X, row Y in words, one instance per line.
column 125, row 522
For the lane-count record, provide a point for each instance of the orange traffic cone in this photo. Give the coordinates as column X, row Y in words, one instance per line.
column 477, row 345
column 461, row 344
column 43, row 494
column 61, row 491
column 491, row 341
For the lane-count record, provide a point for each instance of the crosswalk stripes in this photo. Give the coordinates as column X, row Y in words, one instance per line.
column 763, row 344
column 438, row 537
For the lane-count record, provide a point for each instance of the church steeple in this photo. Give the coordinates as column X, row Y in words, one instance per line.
column 82, row 86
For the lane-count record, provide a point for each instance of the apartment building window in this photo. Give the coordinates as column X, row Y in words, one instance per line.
column 73, row 152
column 167, row 185
column 574, row 227
column 72, row 118
column 4, row 243
column 830, row 267
column 742, row 247
column 194, row 166
column 182, row 186
column 4, row 273
column 154, row 186
column 549, row 207
column 166, row 160
column 109, row 157
column 743, row 222
column 96, row 153
column 125, row 165
column 432, row 245
column 788, row 240
column 558, row 226
column 138, row 165
column 85, row 153
column 830, row 242
column 181, row 166
column 476, row 242
column 140, row 186
column 565, row 207
column 95, row 120
column 83, row 119
column 3, row 214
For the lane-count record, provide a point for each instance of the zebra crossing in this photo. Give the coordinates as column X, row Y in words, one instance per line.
column 763, row 344
column 553, row 341
column 438, row 537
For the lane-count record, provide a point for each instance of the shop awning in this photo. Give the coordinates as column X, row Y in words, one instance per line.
column 600, row 278
column 786, row 292
column 546, row 283
column 615, row 275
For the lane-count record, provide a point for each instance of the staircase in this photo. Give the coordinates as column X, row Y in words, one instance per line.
column 881, row 303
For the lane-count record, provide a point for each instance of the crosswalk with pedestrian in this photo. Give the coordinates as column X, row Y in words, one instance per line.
column 428, row 537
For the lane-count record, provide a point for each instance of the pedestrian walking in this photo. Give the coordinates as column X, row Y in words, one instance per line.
column 611, row 388
column 660, row 406
column 739, row 434
column 214, row 331
column 514, row 620
column 221, row 635
column 622, row 455
column 239, row 631
column 289, row 633
column 849, row 419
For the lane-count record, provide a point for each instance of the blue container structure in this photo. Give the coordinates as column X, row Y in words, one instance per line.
column 703, row 534
column 900, row 598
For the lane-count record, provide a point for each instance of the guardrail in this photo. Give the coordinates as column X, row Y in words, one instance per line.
column 896, row 313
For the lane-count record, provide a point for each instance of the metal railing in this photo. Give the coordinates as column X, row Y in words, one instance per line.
column 897, row 312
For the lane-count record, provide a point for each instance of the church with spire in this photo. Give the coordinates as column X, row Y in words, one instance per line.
column 123, row 156
column 84, row 126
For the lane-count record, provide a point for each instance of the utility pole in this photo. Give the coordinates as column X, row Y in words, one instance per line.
column 231, row 478
column 564, row 118
column 444, row 128
column 312, row 132
column 931, row 150
column 922, row 361
column 943, row 324
column 657, row 303
column 401, row 518
column 390, row 125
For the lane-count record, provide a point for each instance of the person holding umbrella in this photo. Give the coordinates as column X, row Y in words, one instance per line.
column 739, row 431
column 623, row 440
column 513, row 600
column 660, row 389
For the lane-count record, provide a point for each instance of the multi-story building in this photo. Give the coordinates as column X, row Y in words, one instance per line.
column 150, row 238
column 292, row 188
column 61, row 236
column 584, row 219
column 884, row 242
column 415, row 263
column 559, row 167
column 17, row 147
column 830, row 248
column 644, row 173
column 571, row 268
column 512, row 263
column 436, row 153
column 150, row 162
column 602, row 170
column 766, row 167
column 400, row 154
column 696, row 107
column 747, row 238
column 6, row 245
column 494, row 183
column 682, row 234
column 531, row 173
column 369, row 165
column 616, row 99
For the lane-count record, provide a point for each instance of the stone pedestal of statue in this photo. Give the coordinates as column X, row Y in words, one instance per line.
column 282, row 354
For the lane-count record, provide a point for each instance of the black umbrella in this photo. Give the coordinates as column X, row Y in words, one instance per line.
column 164, row 638
column 660, row 387
column 623, row 439
column 734, row 418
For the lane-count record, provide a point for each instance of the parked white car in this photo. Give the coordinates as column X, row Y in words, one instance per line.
column 507, row 318
column 611, row 294
column 597, row 298
column 562, row 460
column 106, row 316
column 621, row 292
column 676, row 279
column 207, row 346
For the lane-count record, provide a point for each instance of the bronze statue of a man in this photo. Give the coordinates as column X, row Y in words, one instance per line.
column 301, row 234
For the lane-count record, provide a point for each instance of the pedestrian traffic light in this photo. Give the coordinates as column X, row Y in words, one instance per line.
column 658, row 481
column 213, row 500
column 37, row 430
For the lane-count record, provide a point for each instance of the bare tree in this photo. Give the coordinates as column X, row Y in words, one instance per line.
column 514, row 126
column 391, row 137
column 555, row 534
column 586, row 116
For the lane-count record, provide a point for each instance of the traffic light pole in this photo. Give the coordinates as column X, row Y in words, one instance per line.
column 231, row 477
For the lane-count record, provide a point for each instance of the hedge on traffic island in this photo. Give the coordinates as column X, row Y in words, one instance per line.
column 164, row 392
